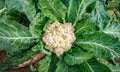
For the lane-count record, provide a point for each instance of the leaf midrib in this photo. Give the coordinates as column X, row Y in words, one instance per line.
column 89, row 66
column 80, row 58
column 94, row 43
column 10, row 38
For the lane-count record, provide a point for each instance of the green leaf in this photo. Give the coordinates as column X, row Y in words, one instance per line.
column 117, row 16
column 76, row 9
column 100, row 15
column 112, row 65
column 100, row 44
column 26, row 6
column 48, row 64
column 114, row 68
column 33, row 69
column 113, row 4
column 2, row 11
column 29, row 8
column 37, row 25
column 16, row 4
column 77, row 56
column 94, row 66
column 9, row 15
column 65, row 2
column 17, row 59
column 53, row 9
column 113, row 28
column 85, row 26
column 16, row 36
column 40, row 47
column 2, row 4
column 63, row 67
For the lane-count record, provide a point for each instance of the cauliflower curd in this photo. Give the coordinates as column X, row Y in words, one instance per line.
column 59, row 37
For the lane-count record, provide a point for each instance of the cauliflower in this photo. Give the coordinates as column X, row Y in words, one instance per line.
column 59, row 37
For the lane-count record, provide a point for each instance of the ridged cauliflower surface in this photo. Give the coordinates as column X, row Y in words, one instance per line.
column 59, row 37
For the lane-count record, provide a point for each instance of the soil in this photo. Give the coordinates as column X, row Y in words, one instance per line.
column 24, row 67
column 3, row 56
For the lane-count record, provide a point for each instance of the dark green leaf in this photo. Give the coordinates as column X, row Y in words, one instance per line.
column 100, row 44
column 48, row 64
column 29, row 8
column 76, row 9
column 117, row 15
column 63, row 67
column 54, row 9
column 9, row 15
column 112, row 5
column 77, row 56
column 65, row 2
column 2, row 4
column 94, row 66
column 16, row 36
column 85, row 26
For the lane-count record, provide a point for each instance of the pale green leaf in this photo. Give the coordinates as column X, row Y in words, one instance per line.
column 114, row 68
column 113, row 28
column 16, row 4
column 2, row 11
column 29, row 8
column 100, row 15
column 37, row 25
column 40, row 47
column 26, row 6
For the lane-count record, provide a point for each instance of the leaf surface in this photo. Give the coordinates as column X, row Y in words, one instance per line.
column 94, row 66
column 26, row 6
column 53, row 9
column 16, row 36
column 77, row 56
column 76, row 9
column 100, row 44
column 63, row 67
column 100, row 15
column 48, row 64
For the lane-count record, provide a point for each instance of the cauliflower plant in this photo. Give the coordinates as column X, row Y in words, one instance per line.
column 59, row 37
